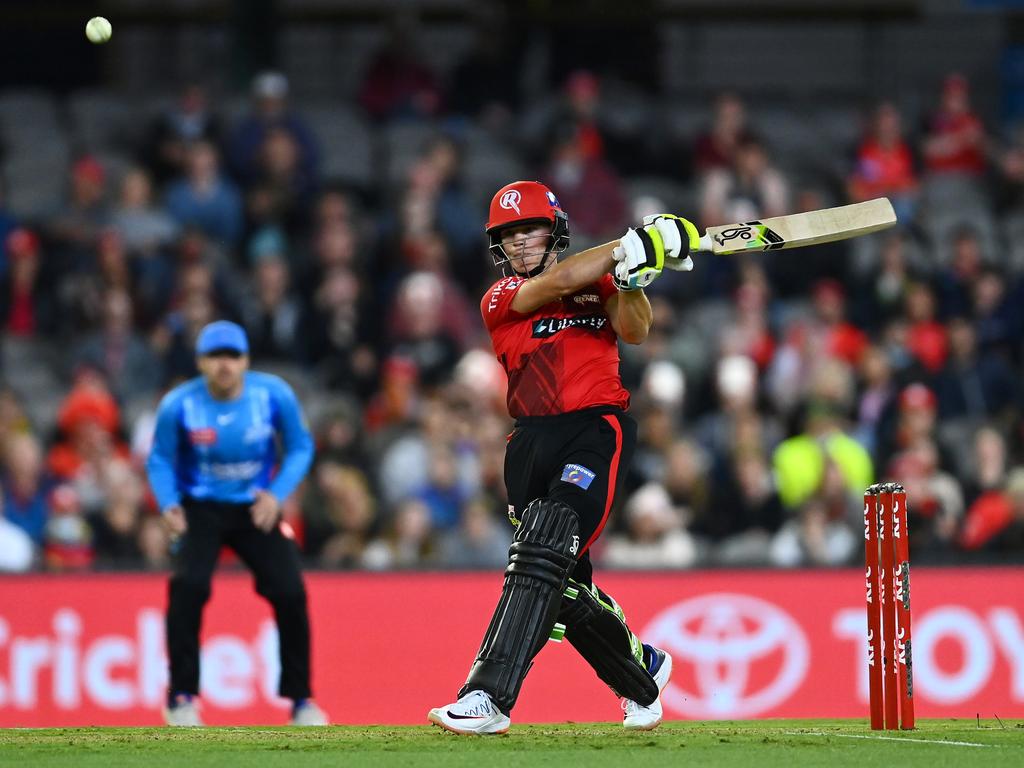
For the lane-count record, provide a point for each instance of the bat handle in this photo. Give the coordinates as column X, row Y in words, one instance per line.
column 705, row 243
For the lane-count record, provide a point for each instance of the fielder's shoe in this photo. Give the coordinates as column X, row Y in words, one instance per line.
column 474, row 713
column 182, row 710
column 306, row 712
column 636, row 716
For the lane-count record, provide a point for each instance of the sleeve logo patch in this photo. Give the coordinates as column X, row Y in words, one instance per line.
column 578, row 475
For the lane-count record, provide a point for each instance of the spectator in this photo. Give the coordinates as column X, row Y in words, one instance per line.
column 956, row 141
column 973, row 384
column 885, row 164
column 987, row 466
column 116, row 526
column 88, row 421
column 995, row 522
column 203, row 198
column 398, row 84
column 937, row 509
column 26, row 303
column 926, row 337
column 273, row 315
column 26, row 486
column 16, row 551
column 809, row 345
column 189, row 120
column 336, row 335
column 586, row 185
column 802, row 463
column 339, row 515
column 76, row 227
column 715, row 148
column 876, row 398
column 821, row 533
column 418, row 329
column 479, row 542
column 175, row 338
column 745, row 511
column 270, row 111
column 655, row 537
column 154, row 544
column 435, row 200
column 749, row 189
column 68, row 537
column 409, row 542
column 144, row 228
column 955, row 281
column 282, row 190
column 442, row 493
column 119, row 353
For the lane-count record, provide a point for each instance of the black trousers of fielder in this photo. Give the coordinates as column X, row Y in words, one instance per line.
column 273, row 560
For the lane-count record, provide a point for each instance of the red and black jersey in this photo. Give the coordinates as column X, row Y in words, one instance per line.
column 561, row 357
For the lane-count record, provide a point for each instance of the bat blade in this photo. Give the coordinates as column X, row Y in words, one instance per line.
column 801, row 229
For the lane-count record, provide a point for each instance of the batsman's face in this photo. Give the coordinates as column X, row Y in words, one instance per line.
column 525, row 245
column 223, row 371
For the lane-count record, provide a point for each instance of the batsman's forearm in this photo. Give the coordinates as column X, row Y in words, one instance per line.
column 586, row 267
column 635, row 316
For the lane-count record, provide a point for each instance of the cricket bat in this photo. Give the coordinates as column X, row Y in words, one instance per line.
column 798, row 230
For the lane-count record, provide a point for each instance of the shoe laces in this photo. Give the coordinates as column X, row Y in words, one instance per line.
column 481, row 708
column 630, row 707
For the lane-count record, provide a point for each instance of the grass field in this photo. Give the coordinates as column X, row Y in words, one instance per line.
column 764, row 744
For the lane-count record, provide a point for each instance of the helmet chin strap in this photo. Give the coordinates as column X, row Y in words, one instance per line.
column 536, row 270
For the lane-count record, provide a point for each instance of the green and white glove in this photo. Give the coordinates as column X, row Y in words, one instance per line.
column 679, row 236
column 641, row 257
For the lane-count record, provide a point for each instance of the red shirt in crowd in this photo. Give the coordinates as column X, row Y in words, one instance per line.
column 561, row 357
column 883, row 170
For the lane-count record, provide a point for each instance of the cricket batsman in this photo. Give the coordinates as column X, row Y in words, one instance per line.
column 554, row 325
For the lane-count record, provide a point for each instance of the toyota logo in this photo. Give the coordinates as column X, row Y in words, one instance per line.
column 510, row 200
column 735, row 656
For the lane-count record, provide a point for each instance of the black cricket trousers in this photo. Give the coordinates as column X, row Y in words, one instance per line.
column 579, row 458
column 273, row 559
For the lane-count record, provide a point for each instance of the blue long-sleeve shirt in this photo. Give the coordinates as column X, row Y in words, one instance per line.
column 226, row 450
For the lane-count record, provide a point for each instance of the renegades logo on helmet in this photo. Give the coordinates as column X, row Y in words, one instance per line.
column 523, row 202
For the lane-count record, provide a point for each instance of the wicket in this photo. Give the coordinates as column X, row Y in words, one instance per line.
column 887, row 574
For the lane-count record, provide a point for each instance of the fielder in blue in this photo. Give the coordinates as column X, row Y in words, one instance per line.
column 230, row 446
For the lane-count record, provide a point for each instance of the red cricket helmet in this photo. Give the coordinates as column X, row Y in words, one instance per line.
column 525, row 202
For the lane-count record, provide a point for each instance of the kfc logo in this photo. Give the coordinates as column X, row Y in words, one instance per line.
column 510, row 200
column 736, row 656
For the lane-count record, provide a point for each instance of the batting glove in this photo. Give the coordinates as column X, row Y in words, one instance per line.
column 641, row 257
column 679, row 236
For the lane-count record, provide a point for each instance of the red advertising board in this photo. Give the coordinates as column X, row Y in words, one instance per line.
column 747, row 644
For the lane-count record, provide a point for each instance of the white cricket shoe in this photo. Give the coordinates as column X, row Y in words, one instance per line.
column 306, row 712
column 183, row 712
column 637, row 717
column 473, row 713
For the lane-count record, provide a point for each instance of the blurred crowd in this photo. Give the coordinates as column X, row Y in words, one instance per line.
column 772, row 390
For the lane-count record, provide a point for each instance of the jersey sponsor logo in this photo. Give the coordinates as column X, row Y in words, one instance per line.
column 224, row 419
column 202, row 436
column 579, row 475
column 584, row 298
column 236, row 470
column 510, row 201
column 546, row 327
column 257, row 433
column 508, row 284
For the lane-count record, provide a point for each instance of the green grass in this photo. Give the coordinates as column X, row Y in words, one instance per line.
column 760, row 744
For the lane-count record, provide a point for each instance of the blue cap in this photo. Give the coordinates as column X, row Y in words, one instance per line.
column 222, row 334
